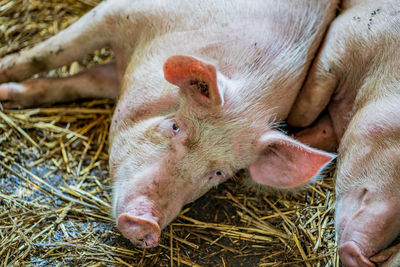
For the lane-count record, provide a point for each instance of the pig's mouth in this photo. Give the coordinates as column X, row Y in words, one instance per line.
column 142, row 231
column 351, row 255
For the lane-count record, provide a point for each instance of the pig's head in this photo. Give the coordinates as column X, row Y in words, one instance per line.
column 368, row 198
column 162, row 162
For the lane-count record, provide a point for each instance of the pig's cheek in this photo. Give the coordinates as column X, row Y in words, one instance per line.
column 215, row 178
column 222, row 180
column 197, row 189
column 172, row 212
column 200, row 187
column 211, row 182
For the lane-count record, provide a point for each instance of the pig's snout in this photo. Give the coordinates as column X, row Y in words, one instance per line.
column 142, row 232
column 367, row 221
column 352, row 256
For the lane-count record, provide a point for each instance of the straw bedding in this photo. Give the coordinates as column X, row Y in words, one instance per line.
column 55, row 192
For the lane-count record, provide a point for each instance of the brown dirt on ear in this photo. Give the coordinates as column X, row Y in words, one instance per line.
column 55, row 191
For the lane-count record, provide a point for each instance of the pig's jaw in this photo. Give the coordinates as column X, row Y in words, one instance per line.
column 366, row 222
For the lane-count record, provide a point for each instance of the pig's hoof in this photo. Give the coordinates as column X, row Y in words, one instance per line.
column 13, row 95
column 141, row 232
column 351, row 256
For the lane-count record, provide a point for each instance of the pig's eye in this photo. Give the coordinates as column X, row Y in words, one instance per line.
column 175, row 128
column 217, row 176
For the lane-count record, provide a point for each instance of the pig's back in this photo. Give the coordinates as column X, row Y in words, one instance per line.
column 266, row 46
column 375, row 30
column 239, row 29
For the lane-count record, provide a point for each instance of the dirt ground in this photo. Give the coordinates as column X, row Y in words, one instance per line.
column 55, row 191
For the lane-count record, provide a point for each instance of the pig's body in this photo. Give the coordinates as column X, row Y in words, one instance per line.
column 236, row 68
column 359, row 65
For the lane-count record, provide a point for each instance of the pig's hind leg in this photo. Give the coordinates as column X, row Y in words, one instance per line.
column 91, row 32
column 98, row 82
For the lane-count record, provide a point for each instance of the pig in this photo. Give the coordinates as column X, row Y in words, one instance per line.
column 202, row 87
column 356, row 75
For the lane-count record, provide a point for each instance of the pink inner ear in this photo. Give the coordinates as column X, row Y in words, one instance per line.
column 191, row 73
column 285, row 163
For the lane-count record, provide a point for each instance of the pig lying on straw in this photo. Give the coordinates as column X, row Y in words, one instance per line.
column 202, row 86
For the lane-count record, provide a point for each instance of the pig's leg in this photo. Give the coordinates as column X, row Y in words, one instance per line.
column 389, row 257
column 318, row 89
column 87, row 34
column 319, row 135
column 98, row 82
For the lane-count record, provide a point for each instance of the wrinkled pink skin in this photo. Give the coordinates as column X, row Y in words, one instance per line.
column 358, row 70
column 170, row 145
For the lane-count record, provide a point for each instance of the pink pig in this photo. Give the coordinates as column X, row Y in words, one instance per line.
column 358, row 71
column 203, row 86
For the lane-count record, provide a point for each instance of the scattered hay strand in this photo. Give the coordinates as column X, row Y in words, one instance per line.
column 19, row 129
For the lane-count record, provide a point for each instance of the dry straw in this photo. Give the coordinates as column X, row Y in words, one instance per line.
column 55, row 192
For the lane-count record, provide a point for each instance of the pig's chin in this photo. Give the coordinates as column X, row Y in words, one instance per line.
column 351, row 254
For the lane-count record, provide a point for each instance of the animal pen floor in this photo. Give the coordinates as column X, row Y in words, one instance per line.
column 55, row 191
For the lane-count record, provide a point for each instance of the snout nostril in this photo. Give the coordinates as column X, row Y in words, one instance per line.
column 143, row 232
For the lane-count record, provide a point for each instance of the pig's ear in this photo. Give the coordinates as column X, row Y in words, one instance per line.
column 286, row 163
column 196, row 79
